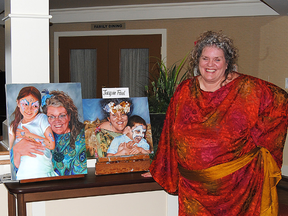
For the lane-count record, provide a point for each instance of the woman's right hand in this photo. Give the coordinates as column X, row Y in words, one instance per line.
column 146, row 175
column 123, row 149
column 26, row 147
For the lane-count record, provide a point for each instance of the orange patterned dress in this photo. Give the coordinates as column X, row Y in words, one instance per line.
column 205, row 130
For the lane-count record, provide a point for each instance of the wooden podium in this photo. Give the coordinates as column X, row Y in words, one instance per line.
column 122, row 164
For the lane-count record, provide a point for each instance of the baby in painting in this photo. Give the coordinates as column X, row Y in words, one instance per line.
column 32, row 125
column 132, row 141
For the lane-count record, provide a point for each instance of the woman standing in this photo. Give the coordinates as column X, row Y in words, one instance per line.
column 222, row 141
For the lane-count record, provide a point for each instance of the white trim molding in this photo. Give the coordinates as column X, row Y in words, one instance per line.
column 33, row 16
column 163, row 32
column 224, row 8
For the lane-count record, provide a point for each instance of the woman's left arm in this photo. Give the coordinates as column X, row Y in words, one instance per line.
column 80, row 167
column 48, row 141
column 139, row 150
column 271, row 128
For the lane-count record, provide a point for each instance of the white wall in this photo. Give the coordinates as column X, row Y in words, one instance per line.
column 140, row 204
column 3, row 200
column 3, row 192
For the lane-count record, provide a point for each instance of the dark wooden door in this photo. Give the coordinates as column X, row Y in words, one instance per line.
column 108, row 50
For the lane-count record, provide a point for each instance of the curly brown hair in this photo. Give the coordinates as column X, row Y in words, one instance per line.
column 219, row 40
column 60, row 98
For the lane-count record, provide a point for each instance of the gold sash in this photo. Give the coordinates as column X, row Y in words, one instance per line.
column 272, row 175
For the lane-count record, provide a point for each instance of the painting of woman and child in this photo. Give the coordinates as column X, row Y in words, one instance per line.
column 117, row 127
column 46, row 130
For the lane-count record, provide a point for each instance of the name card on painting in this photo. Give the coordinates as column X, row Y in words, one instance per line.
column 115, row 93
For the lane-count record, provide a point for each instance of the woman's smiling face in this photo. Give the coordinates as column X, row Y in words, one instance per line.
column 58, row 119
column 118, row 121
column 29, row 107
column 212, row 65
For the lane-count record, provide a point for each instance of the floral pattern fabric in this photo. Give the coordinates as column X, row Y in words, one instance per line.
column 69, row 161
column 205, row 129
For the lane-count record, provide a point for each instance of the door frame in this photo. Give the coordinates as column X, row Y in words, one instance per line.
column 163, row 32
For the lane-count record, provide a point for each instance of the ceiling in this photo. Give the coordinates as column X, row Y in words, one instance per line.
column 280, row 6
column 56, row 4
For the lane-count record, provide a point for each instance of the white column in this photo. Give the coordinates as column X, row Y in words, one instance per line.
column 27, row 41
column 27, row 48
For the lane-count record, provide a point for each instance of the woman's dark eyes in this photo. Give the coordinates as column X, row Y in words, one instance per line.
column 116, row 115
column 205, row 59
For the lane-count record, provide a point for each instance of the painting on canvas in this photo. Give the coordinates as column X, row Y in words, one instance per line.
column 117, row 127
column 46, row 130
